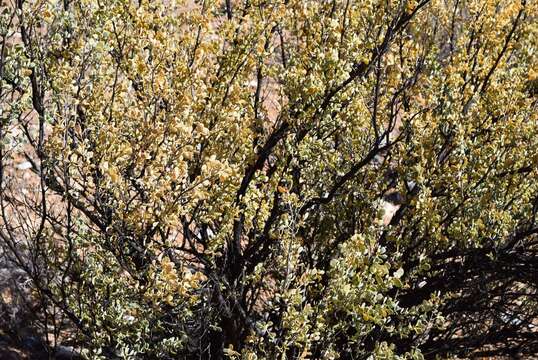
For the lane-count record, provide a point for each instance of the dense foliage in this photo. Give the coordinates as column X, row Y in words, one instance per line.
column 258, row 179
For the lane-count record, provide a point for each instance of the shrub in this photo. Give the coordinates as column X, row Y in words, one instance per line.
column 274, row 179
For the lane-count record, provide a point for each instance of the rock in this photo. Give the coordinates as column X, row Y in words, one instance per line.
column 25, row 165
column 65, row 353
column 33, row 343
column 9, row 354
